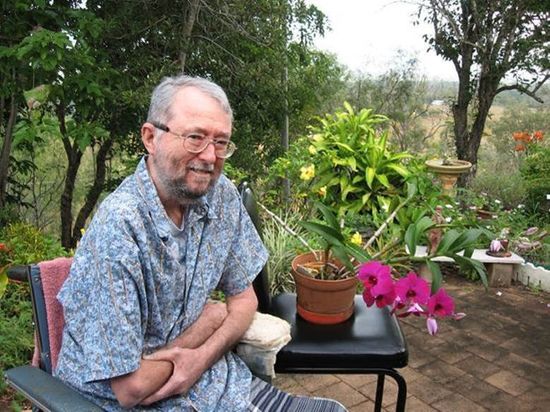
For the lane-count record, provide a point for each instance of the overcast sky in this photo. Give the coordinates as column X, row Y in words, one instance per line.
column 366, row 34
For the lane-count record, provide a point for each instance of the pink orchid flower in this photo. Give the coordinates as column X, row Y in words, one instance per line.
column 384, row 291
column 495, row 246
column 370, row 272
column 412, row 289
column 440, row 304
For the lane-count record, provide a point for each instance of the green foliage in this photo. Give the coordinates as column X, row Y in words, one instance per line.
column 282, row 247
column 536, row 172
column 29, row 245
column 349, row 164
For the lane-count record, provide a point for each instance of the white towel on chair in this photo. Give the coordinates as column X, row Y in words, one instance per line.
column 259, row 345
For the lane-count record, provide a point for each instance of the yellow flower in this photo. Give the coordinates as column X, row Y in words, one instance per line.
column 307, row 173
column 82, row 231
column 323, row 191
column 357, row 239
column 312, row 150
column 317, row 137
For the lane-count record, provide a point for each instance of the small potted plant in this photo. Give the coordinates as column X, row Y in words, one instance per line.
column 325, row 280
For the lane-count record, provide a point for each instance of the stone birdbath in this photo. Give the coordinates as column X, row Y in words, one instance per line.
column 448, row 170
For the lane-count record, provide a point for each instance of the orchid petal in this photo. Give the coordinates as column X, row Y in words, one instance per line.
column 431, row 323
column 459, row 315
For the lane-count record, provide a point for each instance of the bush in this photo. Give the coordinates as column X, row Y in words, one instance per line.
column 30, row 245
column 27, row 245
column 535, row 170
column 346, row 163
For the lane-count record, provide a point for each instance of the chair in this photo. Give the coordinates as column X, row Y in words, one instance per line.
column 370, row 342
column 44, row 391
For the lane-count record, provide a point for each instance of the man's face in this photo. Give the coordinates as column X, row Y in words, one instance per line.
column 185, row 176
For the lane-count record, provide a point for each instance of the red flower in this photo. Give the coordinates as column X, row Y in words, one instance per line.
column 412, row 289
column 538, row 135
column 370, row 272
column 519, row 147
column 383, row 292
column 440, row 304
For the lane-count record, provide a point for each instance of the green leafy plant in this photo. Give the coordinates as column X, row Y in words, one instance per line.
column 348, row 166
column 455, row 243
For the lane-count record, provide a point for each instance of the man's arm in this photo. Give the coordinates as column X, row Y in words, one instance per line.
column 190, row 364
column 176, row 368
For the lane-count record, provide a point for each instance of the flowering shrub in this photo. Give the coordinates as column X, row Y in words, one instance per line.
column 524, row 139
column 408, row 295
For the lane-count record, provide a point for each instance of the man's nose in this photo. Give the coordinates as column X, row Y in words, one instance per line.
column 209, row 153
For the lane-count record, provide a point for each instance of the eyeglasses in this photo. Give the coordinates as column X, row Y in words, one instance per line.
column 197, row 142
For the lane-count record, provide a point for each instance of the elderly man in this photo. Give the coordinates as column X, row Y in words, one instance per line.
column 139, row 332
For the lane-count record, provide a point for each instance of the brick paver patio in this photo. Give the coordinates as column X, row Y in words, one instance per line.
column 495, row 359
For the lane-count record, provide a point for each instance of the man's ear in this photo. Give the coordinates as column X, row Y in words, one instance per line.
column 148, row 137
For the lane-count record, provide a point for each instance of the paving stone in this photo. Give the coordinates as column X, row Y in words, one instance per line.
column 424, row 389
column 441, row 372
column 503, row 402
column 413, row 405
column 517, row 364
column 419, row 357
column 509, row 382
column 390, row 392
column 523, row 345
column 409, row 374
column 343, row 393
column 357, row 381
column 284, row 381
column 313, row 382
column 472, row 387
column 362, row 407
column 488, row 351
column 425, row 341
column 450, row 353
column 536, row 396
column 457, row 403
column 478, row 367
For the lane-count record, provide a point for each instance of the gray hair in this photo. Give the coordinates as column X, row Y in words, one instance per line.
column 163, row 96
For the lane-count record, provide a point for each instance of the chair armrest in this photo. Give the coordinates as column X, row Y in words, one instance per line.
column 18, row 273
column 46, row 391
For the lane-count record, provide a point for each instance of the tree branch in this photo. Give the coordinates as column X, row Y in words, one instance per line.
column 525, row 90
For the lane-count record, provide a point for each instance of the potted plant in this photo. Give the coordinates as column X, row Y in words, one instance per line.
column 352, row 172
column 325, row 280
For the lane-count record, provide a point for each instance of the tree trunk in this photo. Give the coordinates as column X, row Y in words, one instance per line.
column 192, row 12
column 6, row 150
column 467, row 149
column 93, row 193
column 74, row 156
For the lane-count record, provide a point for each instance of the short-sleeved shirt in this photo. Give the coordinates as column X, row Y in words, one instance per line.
column 138, row 281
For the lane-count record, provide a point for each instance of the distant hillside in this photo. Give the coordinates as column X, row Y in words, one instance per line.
column 446, row 90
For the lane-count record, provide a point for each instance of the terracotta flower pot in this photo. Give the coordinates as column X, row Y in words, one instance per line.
column 324, row 302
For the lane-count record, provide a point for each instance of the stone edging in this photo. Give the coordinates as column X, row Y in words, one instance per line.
column 531, row 275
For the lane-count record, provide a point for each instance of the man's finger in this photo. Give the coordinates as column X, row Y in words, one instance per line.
column 163, row 354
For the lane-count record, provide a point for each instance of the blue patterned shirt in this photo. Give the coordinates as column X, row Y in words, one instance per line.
column 138, row 281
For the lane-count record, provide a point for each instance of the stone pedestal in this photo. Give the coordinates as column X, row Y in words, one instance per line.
column 500, row 275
